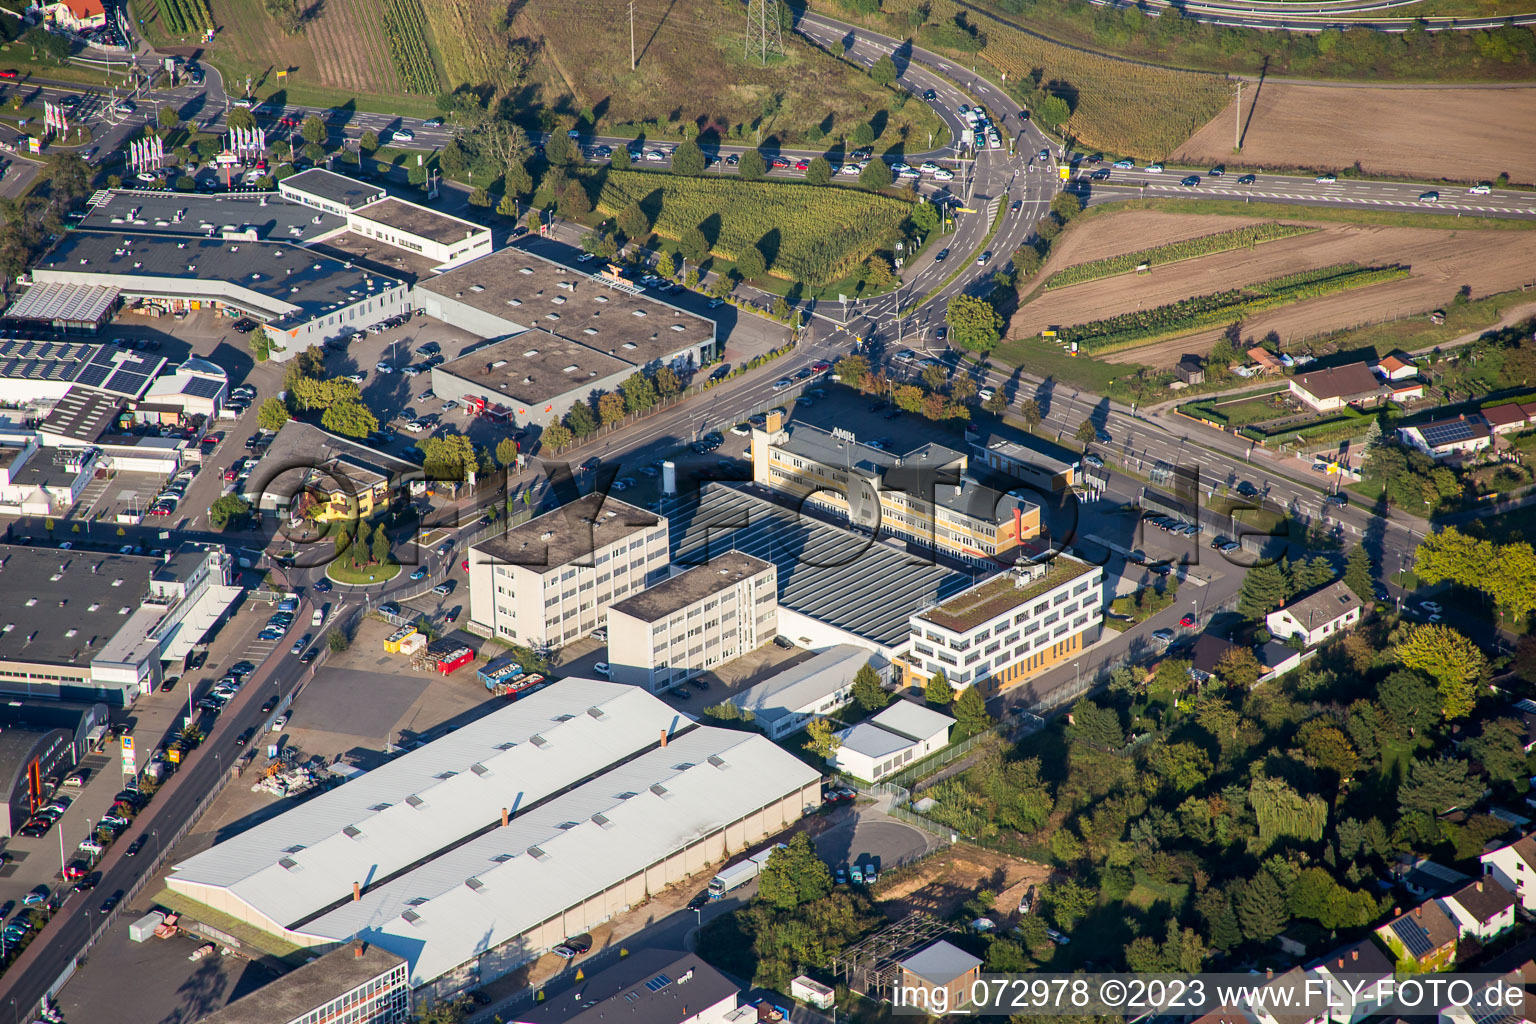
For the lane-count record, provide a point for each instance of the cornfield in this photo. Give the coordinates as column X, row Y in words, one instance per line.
column 1117, row 106
column 1191, row 314
column 406, row 26
column 810, row 233
column 1188, row 249
column 185, row 15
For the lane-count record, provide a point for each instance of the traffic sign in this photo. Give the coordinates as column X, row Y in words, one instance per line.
column 1065, row 172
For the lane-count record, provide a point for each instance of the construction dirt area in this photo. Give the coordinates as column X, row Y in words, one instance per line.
column 1421, row 132
column 1440, row 262
column 941, row 884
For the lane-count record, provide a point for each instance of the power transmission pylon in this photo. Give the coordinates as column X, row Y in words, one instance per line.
column 763, row 33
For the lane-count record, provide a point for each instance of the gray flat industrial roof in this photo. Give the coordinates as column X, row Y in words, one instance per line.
column 656, row 986
column 560, row 536
column 814, row 443
column 285, row 276
column 82, row 415
column 53, row 593
column 419, row 221
column 372, row 254
column 671, row 595
column 534, row 366
column 1029, row 450
column 847, row 580
column 309, row 987
column 105, row 368
column 333, row 187
column 531, row 291
column 181, row 213
column 805, row 683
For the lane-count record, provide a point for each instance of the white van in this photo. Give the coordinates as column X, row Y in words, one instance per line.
column 318, row 618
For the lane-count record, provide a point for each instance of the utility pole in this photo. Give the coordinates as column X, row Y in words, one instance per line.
column 1237, row 120
column 631, row 35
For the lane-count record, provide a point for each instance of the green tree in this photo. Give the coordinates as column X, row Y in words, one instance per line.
column 556, row 435
column 516, row 181
column 819, row 172
column 634, row 223
column 574, row 203
column 876, row 174
column 313, row 130
column 1438, row 785
column 507, row 206
column 820, row 739
column 688, row 158
column 481, row 197
column 1264, row 587
column 379, row 548
column 1052, row 111
column 1096, row 725
column 1451, row 660
column 883, row 70
column 1283, row 813
column 665, row 268
column 272, row 414
column 1261, row 907
column 867, row 691
column 750, row 263
column 794, row 875
column 974, row 323
column 448, row 457
column 752, row 166
column 1066, row 205
column 506, row 452
column 1314, row 573
column 580, row 420
column 1029, row 412
column 1068, row 902
column 368, row 142
column 970, row 711
column 349, row 419
column 938, row 692
column 610, row 408
column 639, row 393
column 1358, row 572
column 1328, row 748
column 1182, row 766
column 694, row 246
column 558, row 149
column 337, row 641
column 1086, row 432
column 341, row 542
column 168, row 118
column 241, row 119
column 1500, row 749
column 1238, row 668
column 229, row 511
column 863, row 135
column 1026, row 259
column 1408, row 702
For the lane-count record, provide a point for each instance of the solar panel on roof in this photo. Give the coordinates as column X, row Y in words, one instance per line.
column 92, row 375
column 658, row 983
column 125, row 382
column 1448, row 432
column 1413, row 936
column 202, row 387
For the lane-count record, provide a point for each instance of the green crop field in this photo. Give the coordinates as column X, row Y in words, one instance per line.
column 1190, row 248
column 810, row 233
column 1128, row 330
column 405, row 25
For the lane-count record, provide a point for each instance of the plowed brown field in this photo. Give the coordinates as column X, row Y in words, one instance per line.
column 1431, row 133
column 1440, row 261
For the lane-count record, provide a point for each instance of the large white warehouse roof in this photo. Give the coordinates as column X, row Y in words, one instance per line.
column 414, row 808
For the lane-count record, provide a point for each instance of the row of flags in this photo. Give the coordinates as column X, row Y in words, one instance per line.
column 248, row 140
column 55, row 118
column 144, row 154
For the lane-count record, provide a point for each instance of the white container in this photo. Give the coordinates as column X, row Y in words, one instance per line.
column 145, row 926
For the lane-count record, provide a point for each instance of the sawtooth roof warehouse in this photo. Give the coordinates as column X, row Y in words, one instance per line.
column 484, row 849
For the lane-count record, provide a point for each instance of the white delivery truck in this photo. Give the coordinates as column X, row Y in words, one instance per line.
column 740, row 873
column 318, row 618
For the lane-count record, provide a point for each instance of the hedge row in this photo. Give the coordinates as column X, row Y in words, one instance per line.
column 1130, row 329
column 1190, row 248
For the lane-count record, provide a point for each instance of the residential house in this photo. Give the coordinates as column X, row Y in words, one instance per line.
column 1291, row 998
column 1317, row 616
column 1405, row 391
column 1277, row 659
column 1206, row 655
column 76, row 15
column 1490, row 1003
column 1509, row 417
column 1190, row 371
column 902, row 733
column 1425, row 936
column 1337, row 386
column 1525, row 712
column 1481, row 909
column 1439, row 439
column 939, row 977
column 1395, row 367
column 1353, row 974
column 1514, row 868
column 1425, row 879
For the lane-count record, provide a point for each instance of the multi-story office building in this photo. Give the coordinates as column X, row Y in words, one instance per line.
column 669, row 633
column 924, row 497
column 553, row 578
column 356, row 984
column 1013, row 626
